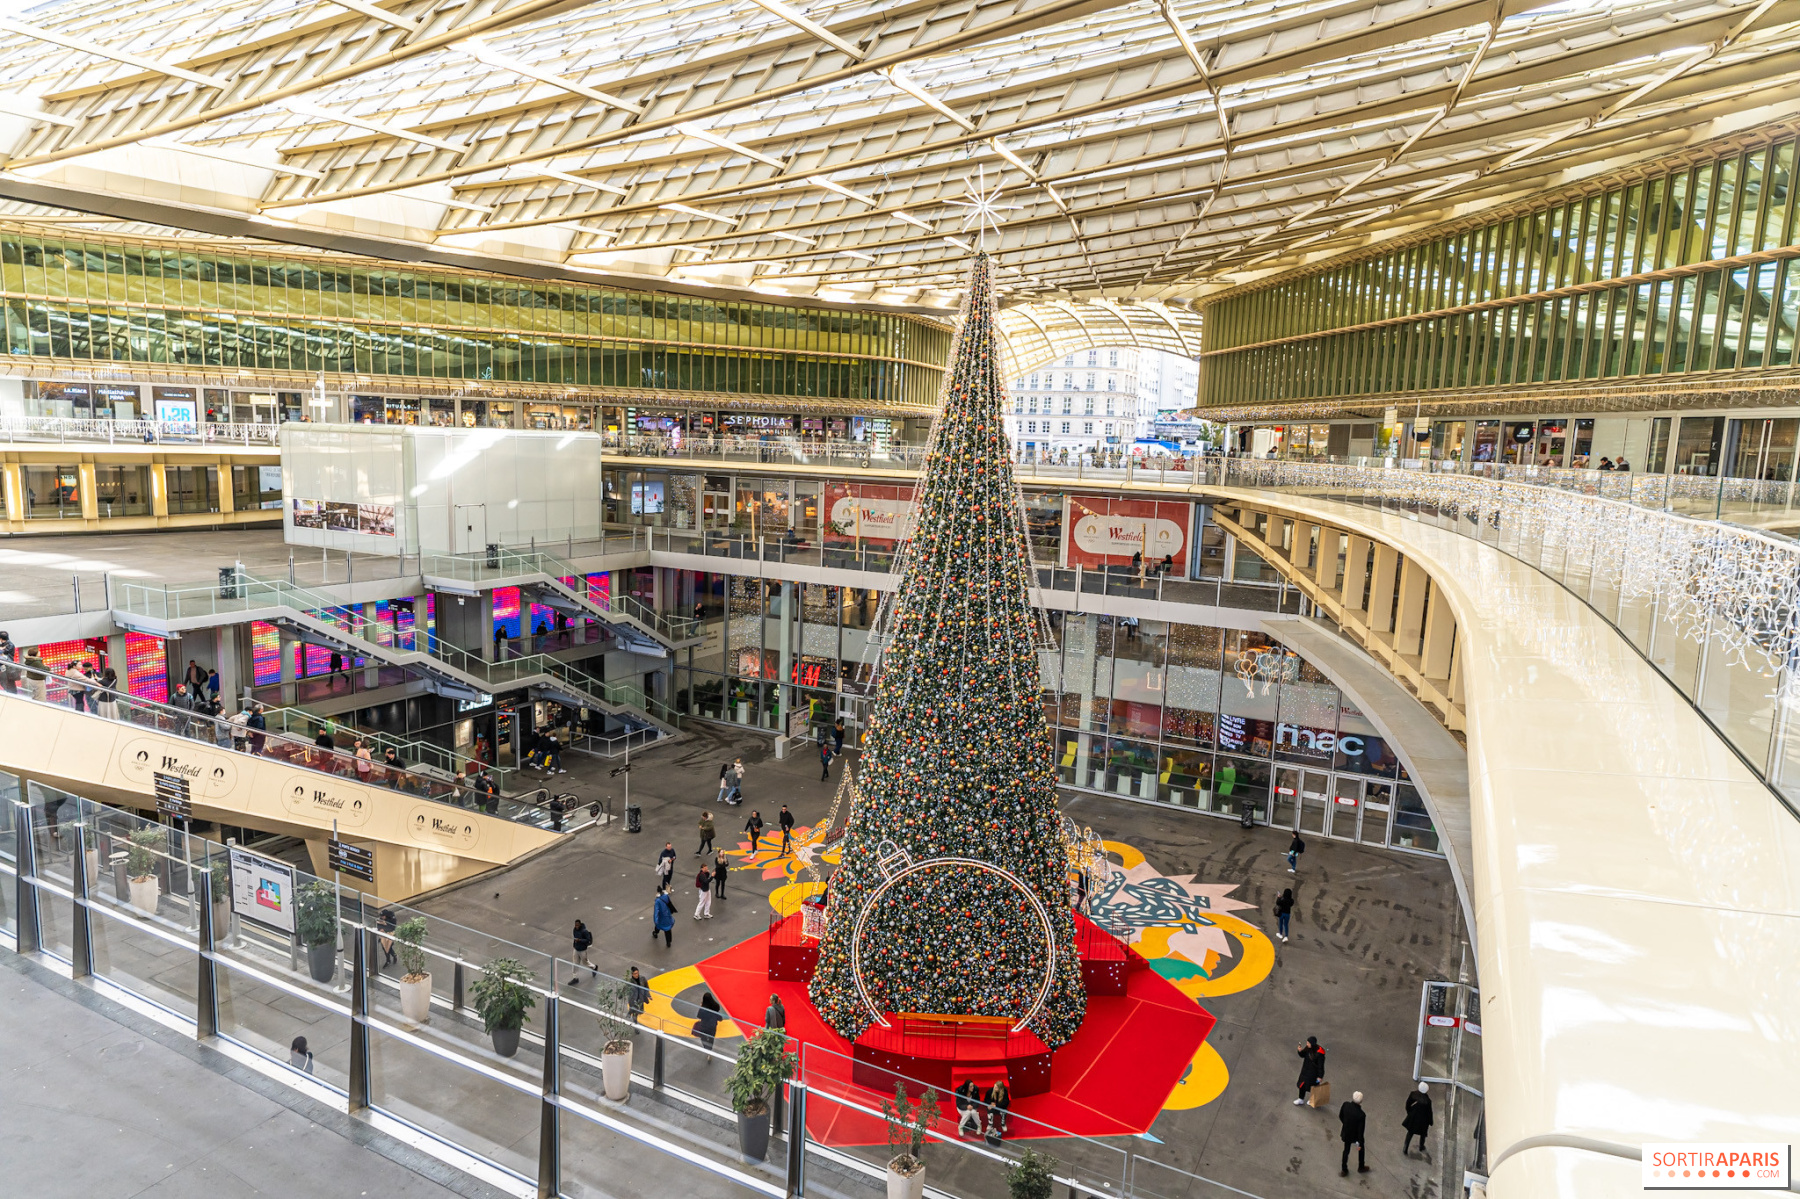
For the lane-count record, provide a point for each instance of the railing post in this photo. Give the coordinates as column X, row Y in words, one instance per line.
column 206, row 1010
column 359, row 1021
column 796, row 1140
column 656, row 1066
column 456, row 984
column 549, row 1178
column 25, row 862
column 81, row 934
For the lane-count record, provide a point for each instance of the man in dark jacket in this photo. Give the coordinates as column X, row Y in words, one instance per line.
column 786, row 821
column 1352, row 1122
column 583, row 940
column 754, row 826
column 1418, row 1119
column 1312, row 1067
column 638, row 996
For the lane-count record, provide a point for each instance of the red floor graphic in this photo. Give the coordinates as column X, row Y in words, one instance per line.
column 1112, row 1079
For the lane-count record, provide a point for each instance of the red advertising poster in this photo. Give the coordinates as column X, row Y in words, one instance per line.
column 867, row 513
column 1106, row 532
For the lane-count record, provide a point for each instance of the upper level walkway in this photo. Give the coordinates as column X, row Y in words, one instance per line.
column 1636, row 883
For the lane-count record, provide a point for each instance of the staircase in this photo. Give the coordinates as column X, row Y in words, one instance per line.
column 559, row 584
column 321, row 620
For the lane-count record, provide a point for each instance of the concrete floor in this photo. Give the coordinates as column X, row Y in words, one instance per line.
column 97, row 1100
column 1370, row 926
column 40, row 573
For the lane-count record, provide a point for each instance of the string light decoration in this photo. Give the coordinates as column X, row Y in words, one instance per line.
column 958, row 762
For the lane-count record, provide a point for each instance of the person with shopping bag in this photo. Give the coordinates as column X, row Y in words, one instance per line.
column 1314, row 1090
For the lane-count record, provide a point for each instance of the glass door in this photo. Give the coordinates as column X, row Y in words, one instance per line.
column 1346, row 807
column 1286, row 813
column 1315, row 802
column 1377, row 811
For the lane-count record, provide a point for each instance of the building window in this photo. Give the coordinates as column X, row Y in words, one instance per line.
column 1109, row 406
column 192, row 488
column 1112, row 382
column 52, row 492
column 1093, row 357
column 1069, row 361
column 1109, row 428
column 1087, row 426
column 1112, row 358
column 1065, row 426
column 1090, row 382
column 125, row 490
column 1034, row 380
column 1090, row 406
column 1066, row 410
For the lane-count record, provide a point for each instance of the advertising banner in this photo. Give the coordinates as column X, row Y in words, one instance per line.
column 867, row 513
column 262, row 890
column 1107, row 532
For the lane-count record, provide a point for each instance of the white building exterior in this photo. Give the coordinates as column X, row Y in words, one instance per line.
column 1085, row 401
column 1167, row 383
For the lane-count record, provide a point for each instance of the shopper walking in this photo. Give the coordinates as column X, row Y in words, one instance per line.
column 582, row 940
column 637, row 995
column 754, row 826
column 107, row 695
column 9, row 664
column 703, row 885
column 707, row 830
column 1418, row 1119
column 1312, row 1067
column 706, row 1024
column 195, row 677
column 1284, row 907
column 824, row 759
column 258, row 724
column 665, row 864
column 1296, row 847
column 365, row 761
column 724, row 795
column 737, row 782
column 719, row 868
column 76, row 681
column 786, row 823
column 662, row 917
column 1352, row 1123
column 837, row 736
column 775, row 1015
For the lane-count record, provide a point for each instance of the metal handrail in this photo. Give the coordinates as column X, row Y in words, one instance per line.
column 150, row 432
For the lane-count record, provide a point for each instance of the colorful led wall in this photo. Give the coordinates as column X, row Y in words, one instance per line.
column 265, row 653
column 146, row 667
column 506, row 610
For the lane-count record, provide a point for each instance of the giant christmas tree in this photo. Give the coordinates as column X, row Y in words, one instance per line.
column 958, row 761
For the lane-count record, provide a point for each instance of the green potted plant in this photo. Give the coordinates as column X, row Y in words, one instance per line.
column 1030, row 1177
column 614, row 1001
column 501, row 1000
column 316, row 923
column 907, row 1127
column 763, row 1064
column 140, row 866
column 220, row 871
column 415, row 980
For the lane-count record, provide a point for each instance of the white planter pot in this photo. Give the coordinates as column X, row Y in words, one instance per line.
column 143, row 895
column 615, row 1074
column 901, row 1186
column 415, row 998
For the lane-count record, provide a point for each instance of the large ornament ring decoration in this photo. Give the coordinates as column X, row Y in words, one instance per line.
column 896, row 864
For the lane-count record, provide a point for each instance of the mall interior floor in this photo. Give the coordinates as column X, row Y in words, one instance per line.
column 98, row 1099
column 1370, row 926
column 41, row 573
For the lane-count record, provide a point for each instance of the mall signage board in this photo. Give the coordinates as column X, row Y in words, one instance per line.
column 262, row 891
column 1101, row 531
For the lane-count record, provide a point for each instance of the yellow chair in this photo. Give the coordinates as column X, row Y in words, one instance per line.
column 1068, row 758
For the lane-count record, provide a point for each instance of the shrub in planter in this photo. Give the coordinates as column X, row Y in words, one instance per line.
column 502, row 999
column 315, row 921
column 907, row 1127
column 763, row 1064
column 415, row 980
column 614, row 1000
column 1030, row 1177
column 140, row 866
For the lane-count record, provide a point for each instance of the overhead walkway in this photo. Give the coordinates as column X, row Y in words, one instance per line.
column 322, row 620
column 425, row 832
column 1636, row 884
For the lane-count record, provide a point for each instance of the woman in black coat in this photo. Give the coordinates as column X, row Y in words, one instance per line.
column 1418, row 1118
column 706, row 1026
column 1312, row 1067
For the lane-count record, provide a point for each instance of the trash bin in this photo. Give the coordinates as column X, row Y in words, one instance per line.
column 634, row 818
column 493, row 556
column 1247, row 812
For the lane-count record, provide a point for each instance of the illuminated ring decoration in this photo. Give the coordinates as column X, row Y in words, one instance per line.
column 1037, row 906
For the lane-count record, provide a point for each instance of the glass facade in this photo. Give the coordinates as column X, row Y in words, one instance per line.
column 118, row 301
column 1644, row 279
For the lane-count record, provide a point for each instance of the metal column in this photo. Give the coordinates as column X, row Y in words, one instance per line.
column 206, row 1011
column 81, row 936
column 549, row 1180
column 796, row 1140
column 359, row 1020
column 25, row 861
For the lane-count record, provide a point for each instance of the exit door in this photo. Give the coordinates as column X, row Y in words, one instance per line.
column 1300, row 798
column 469, row 534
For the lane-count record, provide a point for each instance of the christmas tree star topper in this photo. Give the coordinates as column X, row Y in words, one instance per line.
column 984, row 207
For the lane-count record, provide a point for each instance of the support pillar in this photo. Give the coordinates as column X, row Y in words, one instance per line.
column 206, row 1010
column 159, row 487
column 359, row 1020
column 1439, row 638
column 787, row 656
column 549, row 1179
column 225, row 661
column 372, row 672
column 1356, row 573
column 1409, row 616
column 289, row 651
column 14, row 474
column 25, row 863
column 85, row 487
column 1325, row 569
column 1300, row 551
column 796, row 1140
column 1381, row 589
column 81, row 931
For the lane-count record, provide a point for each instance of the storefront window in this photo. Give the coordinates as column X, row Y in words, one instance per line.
column 52, row 492
column 125, row 490
column 1412, row 827
column 192, row 488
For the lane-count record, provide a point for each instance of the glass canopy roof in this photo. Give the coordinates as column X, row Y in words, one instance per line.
column 1146, row 151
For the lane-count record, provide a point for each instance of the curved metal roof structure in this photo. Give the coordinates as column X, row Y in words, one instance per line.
column 1151, row 149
